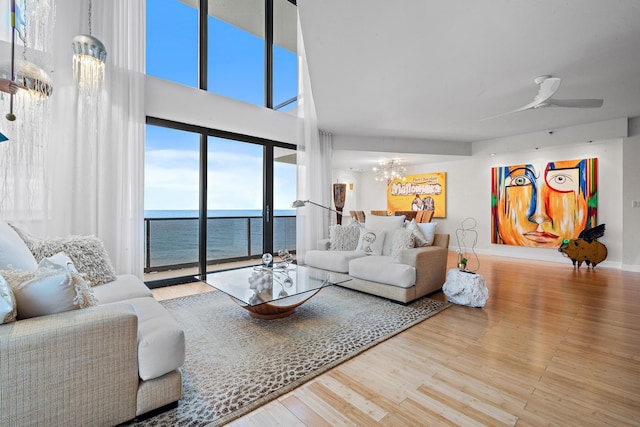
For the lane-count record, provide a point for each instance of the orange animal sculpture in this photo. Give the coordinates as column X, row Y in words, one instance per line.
column 585, row 248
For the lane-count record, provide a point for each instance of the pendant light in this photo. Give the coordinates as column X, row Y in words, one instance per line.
column 89, row 57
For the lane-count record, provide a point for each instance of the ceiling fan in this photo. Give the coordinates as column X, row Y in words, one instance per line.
column 547, row 87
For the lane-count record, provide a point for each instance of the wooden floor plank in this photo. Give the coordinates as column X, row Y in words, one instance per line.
column 552, row 346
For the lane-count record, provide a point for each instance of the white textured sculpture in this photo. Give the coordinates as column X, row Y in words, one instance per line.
column 465, row 288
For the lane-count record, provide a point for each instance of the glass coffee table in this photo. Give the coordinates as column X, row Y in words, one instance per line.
column 272, row 293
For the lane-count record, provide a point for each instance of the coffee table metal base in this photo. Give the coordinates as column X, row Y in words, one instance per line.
column 277, row 309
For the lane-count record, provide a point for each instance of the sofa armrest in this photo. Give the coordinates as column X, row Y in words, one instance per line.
column 323, row 244
column 74, row 368
column 431, row 267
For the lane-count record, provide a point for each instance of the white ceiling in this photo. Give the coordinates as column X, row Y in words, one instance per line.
column 432, row 69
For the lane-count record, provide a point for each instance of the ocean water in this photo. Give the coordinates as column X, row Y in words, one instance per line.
column 173, row 235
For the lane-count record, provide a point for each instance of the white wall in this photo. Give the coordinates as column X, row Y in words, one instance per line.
column 631, row 193
column 469, row 191
column 185, row 104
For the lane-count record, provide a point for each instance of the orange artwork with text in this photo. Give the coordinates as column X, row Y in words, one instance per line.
column 419, row 192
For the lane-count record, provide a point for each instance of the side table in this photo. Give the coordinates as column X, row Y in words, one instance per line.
column 465, row 288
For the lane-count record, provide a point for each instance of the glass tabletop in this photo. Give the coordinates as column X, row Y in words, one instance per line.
column 259, row 285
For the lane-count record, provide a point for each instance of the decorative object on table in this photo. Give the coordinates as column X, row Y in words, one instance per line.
column 585, row 248
column 261, row 280
column 3, row 137
column 467, row 232
column 267, row 259
column 465, row 288
column 89, row 58
column 286, row 257
column 339, row 198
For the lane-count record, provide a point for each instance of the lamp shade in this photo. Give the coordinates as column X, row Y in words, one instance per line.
column 89, row 58
column 29, row 75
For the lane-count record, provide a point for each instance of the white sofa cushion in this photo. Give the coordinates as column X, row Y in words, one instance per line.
column 88, row 254
column 126, row 286
column 48, row 289
column 344, row 238
column 337, row 261
column 401, row 239
column 371, row 242
column 429, row 231
column 383, row 269
column 8, row 306
column 160, row 339
column 420, row 238
column 385, row 223
column 14, row 253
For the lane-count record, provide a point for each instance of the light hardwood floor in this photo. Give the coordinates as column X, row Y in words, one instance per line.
column 553, row 346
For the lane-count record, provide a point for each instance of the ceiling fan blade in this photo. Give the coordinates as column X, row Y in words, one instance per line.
column 548, row 87
column 529, row 106
column 576, row 103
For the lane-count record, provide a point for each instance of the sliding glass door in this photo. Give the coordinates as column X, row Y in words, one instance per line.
column 284, row 193
column 235, row 200
column 214, row 200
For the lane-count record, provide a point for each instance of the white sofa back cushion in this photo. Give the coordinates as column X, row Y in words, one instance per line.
column 429, row 231
column 14, row 253
column 385, row 223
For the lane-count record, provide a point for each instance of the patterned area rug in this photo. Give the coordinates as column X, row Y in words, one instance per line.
column 235, row 363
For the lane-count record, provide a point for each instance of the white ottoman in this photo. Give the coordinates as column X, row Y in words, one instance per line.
column 465, row 288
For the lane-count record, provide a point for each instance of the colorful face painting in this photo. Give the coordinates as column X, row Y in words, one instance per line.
column 540, row 207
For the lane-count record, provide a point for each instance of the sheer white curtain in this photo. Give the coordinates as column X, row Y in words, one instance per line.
column 97, row 161
column 314, row 165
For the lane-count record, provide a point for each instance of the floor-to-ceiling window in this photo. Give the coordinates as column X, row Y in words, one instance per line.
column 240, row 187
column 244, row 49
column 172, row 41
column 171, row 198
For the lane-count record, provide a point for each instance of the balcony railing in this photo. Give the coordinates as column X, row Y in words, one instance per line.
column 172, row 243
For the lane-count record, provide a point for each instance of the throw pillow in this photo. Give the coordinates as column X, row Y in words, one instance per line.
column 48, row 290
column 371, row 242
column 14, row 253
column 429, row 231
column 87, row 253
column 8, row 308
column 421, row 239
column 387, row 224
column 402, row 239
column 344, row 238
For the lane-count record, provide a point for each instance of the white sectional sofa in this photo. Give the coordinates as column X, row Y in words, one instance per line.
column 394, row 270
column 102, row 365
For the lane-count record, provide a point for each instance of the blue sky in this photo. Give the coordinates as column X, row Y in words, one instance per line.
column 235, row 70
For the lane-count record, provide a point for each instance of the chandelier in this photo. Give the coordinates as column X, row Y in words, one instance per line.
column 89, row 57
column 389, row 170
column 34, row 81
